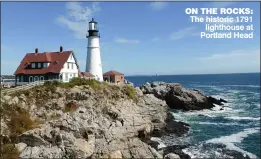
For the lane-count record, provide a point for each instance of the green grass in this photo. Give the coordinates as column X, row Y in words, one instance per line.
column 74, row 82
column 9, row 151
column 130, row 92
column 19, row 118
column 20, row 122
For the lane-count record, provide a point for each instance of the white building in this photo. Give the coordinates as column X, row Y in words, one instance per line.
column 93, row 61
column 47, row 65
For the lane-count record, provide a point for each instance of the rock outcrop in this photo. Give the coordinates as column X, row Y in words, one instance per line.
column 178, row 97
column 102, row 121
column 100, row 125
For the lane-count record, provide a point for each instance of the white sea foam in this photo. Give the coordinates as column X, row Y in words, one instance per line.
column 252, row 86
column 200, row 152
column 161, row 144
column 195, row 153
column 236, row 138
column 241, row 118
column 211, row 123
column 216, row 88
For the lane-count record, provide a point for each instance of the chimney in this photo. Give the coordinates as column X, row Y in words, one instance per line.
column 36, row 50
column 61, row 49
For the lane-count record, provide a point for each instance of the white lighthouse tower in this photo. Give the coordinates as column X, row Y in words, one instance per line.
column 93, row 63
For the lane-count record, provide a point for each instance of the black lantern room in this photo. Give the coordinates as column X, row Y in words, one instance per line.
column 93, row 28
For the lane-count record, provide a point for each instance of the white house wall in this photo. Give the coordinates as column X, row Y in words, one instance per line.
column 72, row 72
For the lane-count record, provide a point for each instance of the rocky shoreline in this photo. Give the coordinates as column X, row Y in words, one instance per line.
column 108, row 122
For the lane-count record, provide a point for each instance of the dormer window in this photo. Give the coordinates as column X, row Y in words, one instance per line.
column 39, row 65
column 33, row 65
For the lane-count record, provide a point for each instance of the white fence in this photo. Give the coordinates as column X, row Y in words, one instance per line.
column 26, row 86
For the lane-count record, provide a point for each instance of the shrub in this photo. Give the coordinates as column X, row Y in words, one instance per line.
column 82, row 81
column 70, row 107
column 9, row 151
column 51, row 85
column 20, row 122
column 130, row 92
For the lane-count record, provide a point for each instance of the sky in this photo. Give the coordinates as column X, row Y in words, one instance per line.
column 137, row 38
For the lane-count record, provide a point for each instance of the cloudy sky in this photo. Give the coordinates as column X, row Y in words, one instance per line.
column 137, row 38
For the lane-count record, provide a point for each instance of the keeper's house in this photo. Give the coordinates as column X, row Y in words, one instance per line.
column 37, row 66
column 113, row 77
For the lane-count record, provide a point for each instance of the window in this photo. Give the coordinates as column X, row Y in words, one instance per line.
column 45, row 65
column 33, row 65
column 68, row 65
column 39, row 65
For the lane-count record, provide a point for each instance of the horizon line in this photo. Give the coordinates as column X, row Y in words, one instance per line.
column 192, row 74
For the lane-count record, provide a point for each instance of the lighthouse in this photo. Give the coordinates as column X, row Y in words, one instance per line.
column 93, row 62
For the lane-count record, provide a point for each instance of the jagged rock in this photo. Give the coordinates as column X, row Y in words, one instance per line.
column 178, row 97
column 20, row 146
column 82, row 148
column 138, row 92
column 14, row 100
column 155, row 153
column 41, row 152
column 171, row 156
column 103, row 123
column 7, row 98
column 32, row 139
column 115, row 154
column 22, row 97
column 176, row 149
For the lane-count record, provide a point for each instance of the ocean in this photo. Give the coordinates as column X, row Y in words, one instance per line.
column 237, row 126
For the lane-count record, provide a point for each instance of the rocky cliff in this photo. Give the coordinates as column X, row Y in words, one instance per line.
column 177, row 97
column 88, row 119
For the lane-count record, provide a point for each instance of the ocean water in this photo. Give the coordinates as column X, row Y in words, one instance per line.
column 237, row 126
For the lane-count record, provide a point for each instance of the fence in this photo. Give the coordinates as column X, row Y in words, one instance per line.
column 26, row 86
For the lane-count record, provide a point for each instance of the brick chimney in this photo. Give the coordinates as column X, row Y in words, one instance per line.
column 61, row 49
column 36, row 50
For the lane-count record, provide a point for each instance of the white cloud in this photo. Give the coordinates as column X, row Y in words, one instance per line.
column 124, row 41
column 158, row 5
column 78, row 17
column 186, row 32
column 234, row 61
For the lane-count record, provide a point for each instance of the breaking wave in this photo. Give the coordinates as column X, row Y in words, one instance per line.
column 236, row 138
column 242, row 118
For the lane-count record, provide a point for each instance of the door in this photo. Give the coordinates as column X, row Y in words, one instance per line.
column 31, row 79
column 36, row 78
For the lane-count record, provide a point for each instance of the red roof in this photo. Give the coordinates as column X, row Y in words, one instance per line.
column 56, row 60
column 111, row 73
column 87, row 74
